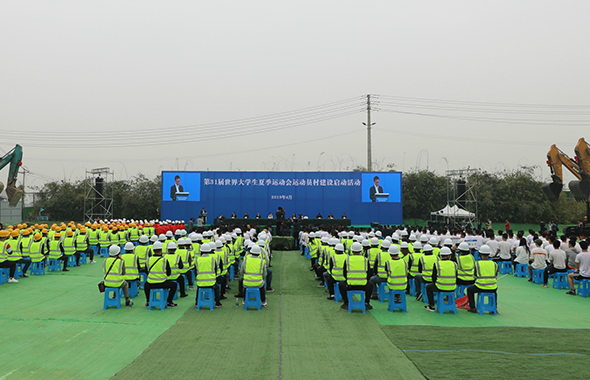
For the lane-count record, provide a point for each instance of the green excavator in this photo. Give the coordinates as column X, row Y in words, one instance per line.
column 14, row 159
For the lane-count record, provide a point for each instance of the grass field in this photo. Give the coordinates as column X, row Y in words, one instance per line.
column 54, row 328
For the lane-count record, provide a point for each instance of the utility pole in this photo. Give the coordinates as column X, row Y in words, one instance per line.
column 368, row 124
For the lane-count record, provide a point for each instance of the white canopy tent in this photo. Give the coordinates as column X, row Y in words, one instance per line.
column 454, row 212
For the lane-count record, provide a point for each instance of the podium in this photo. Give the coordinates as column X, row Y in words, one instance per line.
column 182, row 196
column 380, row 197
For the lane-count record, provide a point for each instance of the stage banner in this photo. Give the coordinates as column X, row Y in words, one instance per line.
column 363, row 197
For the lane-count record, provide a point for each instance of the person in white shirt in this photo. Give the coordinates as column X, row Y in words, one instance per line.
column 558, row 260
column 493, row 244
column 582, row 267
column 504, row 251
column 523, row 253
column 538, row 258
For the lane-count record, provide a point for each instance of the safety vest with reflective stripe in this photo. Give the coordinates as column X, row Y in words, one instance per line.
column 25, row 246
column 133, row 234
column 253, row 272
column 428, row 262
column 338, row 260
column 81, row 244
column 416, row 256
column 173, row 259
column 223, row 259
column 465, row 267
column 157, row 269
column 3, row 247
column 446, row 275
column 69, row 248
column 131, row 269
column 142, row 253
column 185, row 258
column 114, row 278
column 313, row 248
column 122, row 237
column 373, row 253
column 103, row 239
column 382, row 258
column 356, row 270
column 15, row 254
column 397, row 274
column 93, row 237
column 36, row 251
column 485, row 274
column 435, row 251
column 205, row 267
column 55, row 249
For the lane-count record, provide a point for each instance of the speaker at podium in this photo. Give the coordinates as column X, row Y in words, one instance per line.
column 182, row 196
column 381, row 197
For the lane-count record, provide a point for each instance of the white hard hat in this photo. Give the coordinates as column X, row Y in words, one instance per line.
column 222, row 239
column 114, row 250
column 333, row 241
column 339, row 247
column 169, row 234
column 325, row 239
column 162, row 237
column 394, row 250
column 412, row 237
column 234, row 236
column 171, row 245
column 218, row 243
column 350, row 234
column 374, row 241
column 395, row 236
column 427, row 248
column 365, row 243
column 129, row 246
column 448, row 242
column 484, row 250
column 433, row 241
column 154, row 238
column 256, row 250
column 181, row 241
column 388, row 238
column 424, row 238
column 143, row 239
column 205, row 248
column 404, row 244
column 378, row 234
column 445, row 251
column 260, row 242
column 356, row 247
column 464, row 247
column 371, row 234
column 238, row 231
column 182, row 232
column 386, row 244
column 199, row 237
column 404, row 233
column 417, row 245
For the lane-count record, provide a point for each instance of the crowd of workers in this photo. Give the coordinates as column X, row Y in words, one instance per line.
column 169, row 257
column 361, row 259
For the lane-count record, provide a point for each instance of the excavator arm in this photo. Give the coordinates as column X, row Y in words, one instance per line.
column 556, row 159
column 14, row 159
column 581, row 189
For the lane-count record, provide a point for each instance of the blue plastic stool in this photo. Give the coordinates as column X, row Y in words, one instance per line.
column 19, row 271
column 538, row 276
column 4, row 272
column 461, row 290
column 337, row 295
column 83, row 258
column 54, row 265
column 441, row 305
column 38, row 268
column 71, row 261
column 206, row 298
column 231, row 272
column 423, row 291
column 522, row 270
column 95, row 248
column 383, row 292
column 104, row 251
column 490, row 305
column 186, row 276
column 397, row 305
column 560, row 280
column 412, row 285
column 133, row 288
column 506, row 267
column 142, row 279
column 476, row 256
column 252, row 298
column 352, row 304
column 584, row 288
column 158, row 298
column 109, row 301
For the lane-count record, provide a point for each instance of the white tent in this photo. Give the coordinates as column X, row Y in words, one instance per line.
column 453, row 212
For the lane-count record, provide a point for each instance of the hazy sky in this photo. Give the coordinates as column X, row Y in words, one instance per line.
column 145, row 86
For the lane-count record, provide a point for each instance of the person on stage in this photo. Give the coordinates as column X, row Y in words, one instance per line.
column 176, row 188
column 375, row 189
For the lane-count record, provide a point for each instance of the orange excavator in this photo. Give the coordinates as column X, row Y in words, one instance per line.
column 14, row 159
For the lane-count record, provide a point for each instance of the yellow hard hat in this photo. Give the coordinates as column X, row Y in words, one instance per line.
column 15, row 233
column 37, row 236
column 57, row 236
column 70, row 233
column 4, row 234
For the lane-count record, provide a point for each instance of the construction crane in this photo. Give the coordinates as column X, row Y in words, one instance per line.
column 556, row 159
column 14, row 158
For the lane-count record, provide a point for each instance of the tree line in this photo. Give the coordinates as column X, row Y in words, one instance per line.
column 512, row 195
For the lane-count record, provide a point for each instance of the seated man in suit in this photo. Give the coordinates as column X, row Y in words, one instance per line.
column 376, row 189
column 176, row 188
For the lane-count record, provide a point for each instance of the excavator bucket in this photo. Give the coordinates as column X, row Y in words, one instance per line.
column 552, row 190
column 580, row 190
column 14, row 195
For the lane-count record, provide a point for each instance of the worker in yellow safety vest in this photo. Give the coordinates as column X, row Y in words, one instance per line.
column 444, row 277
column 356, row 272
column 486, row 278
